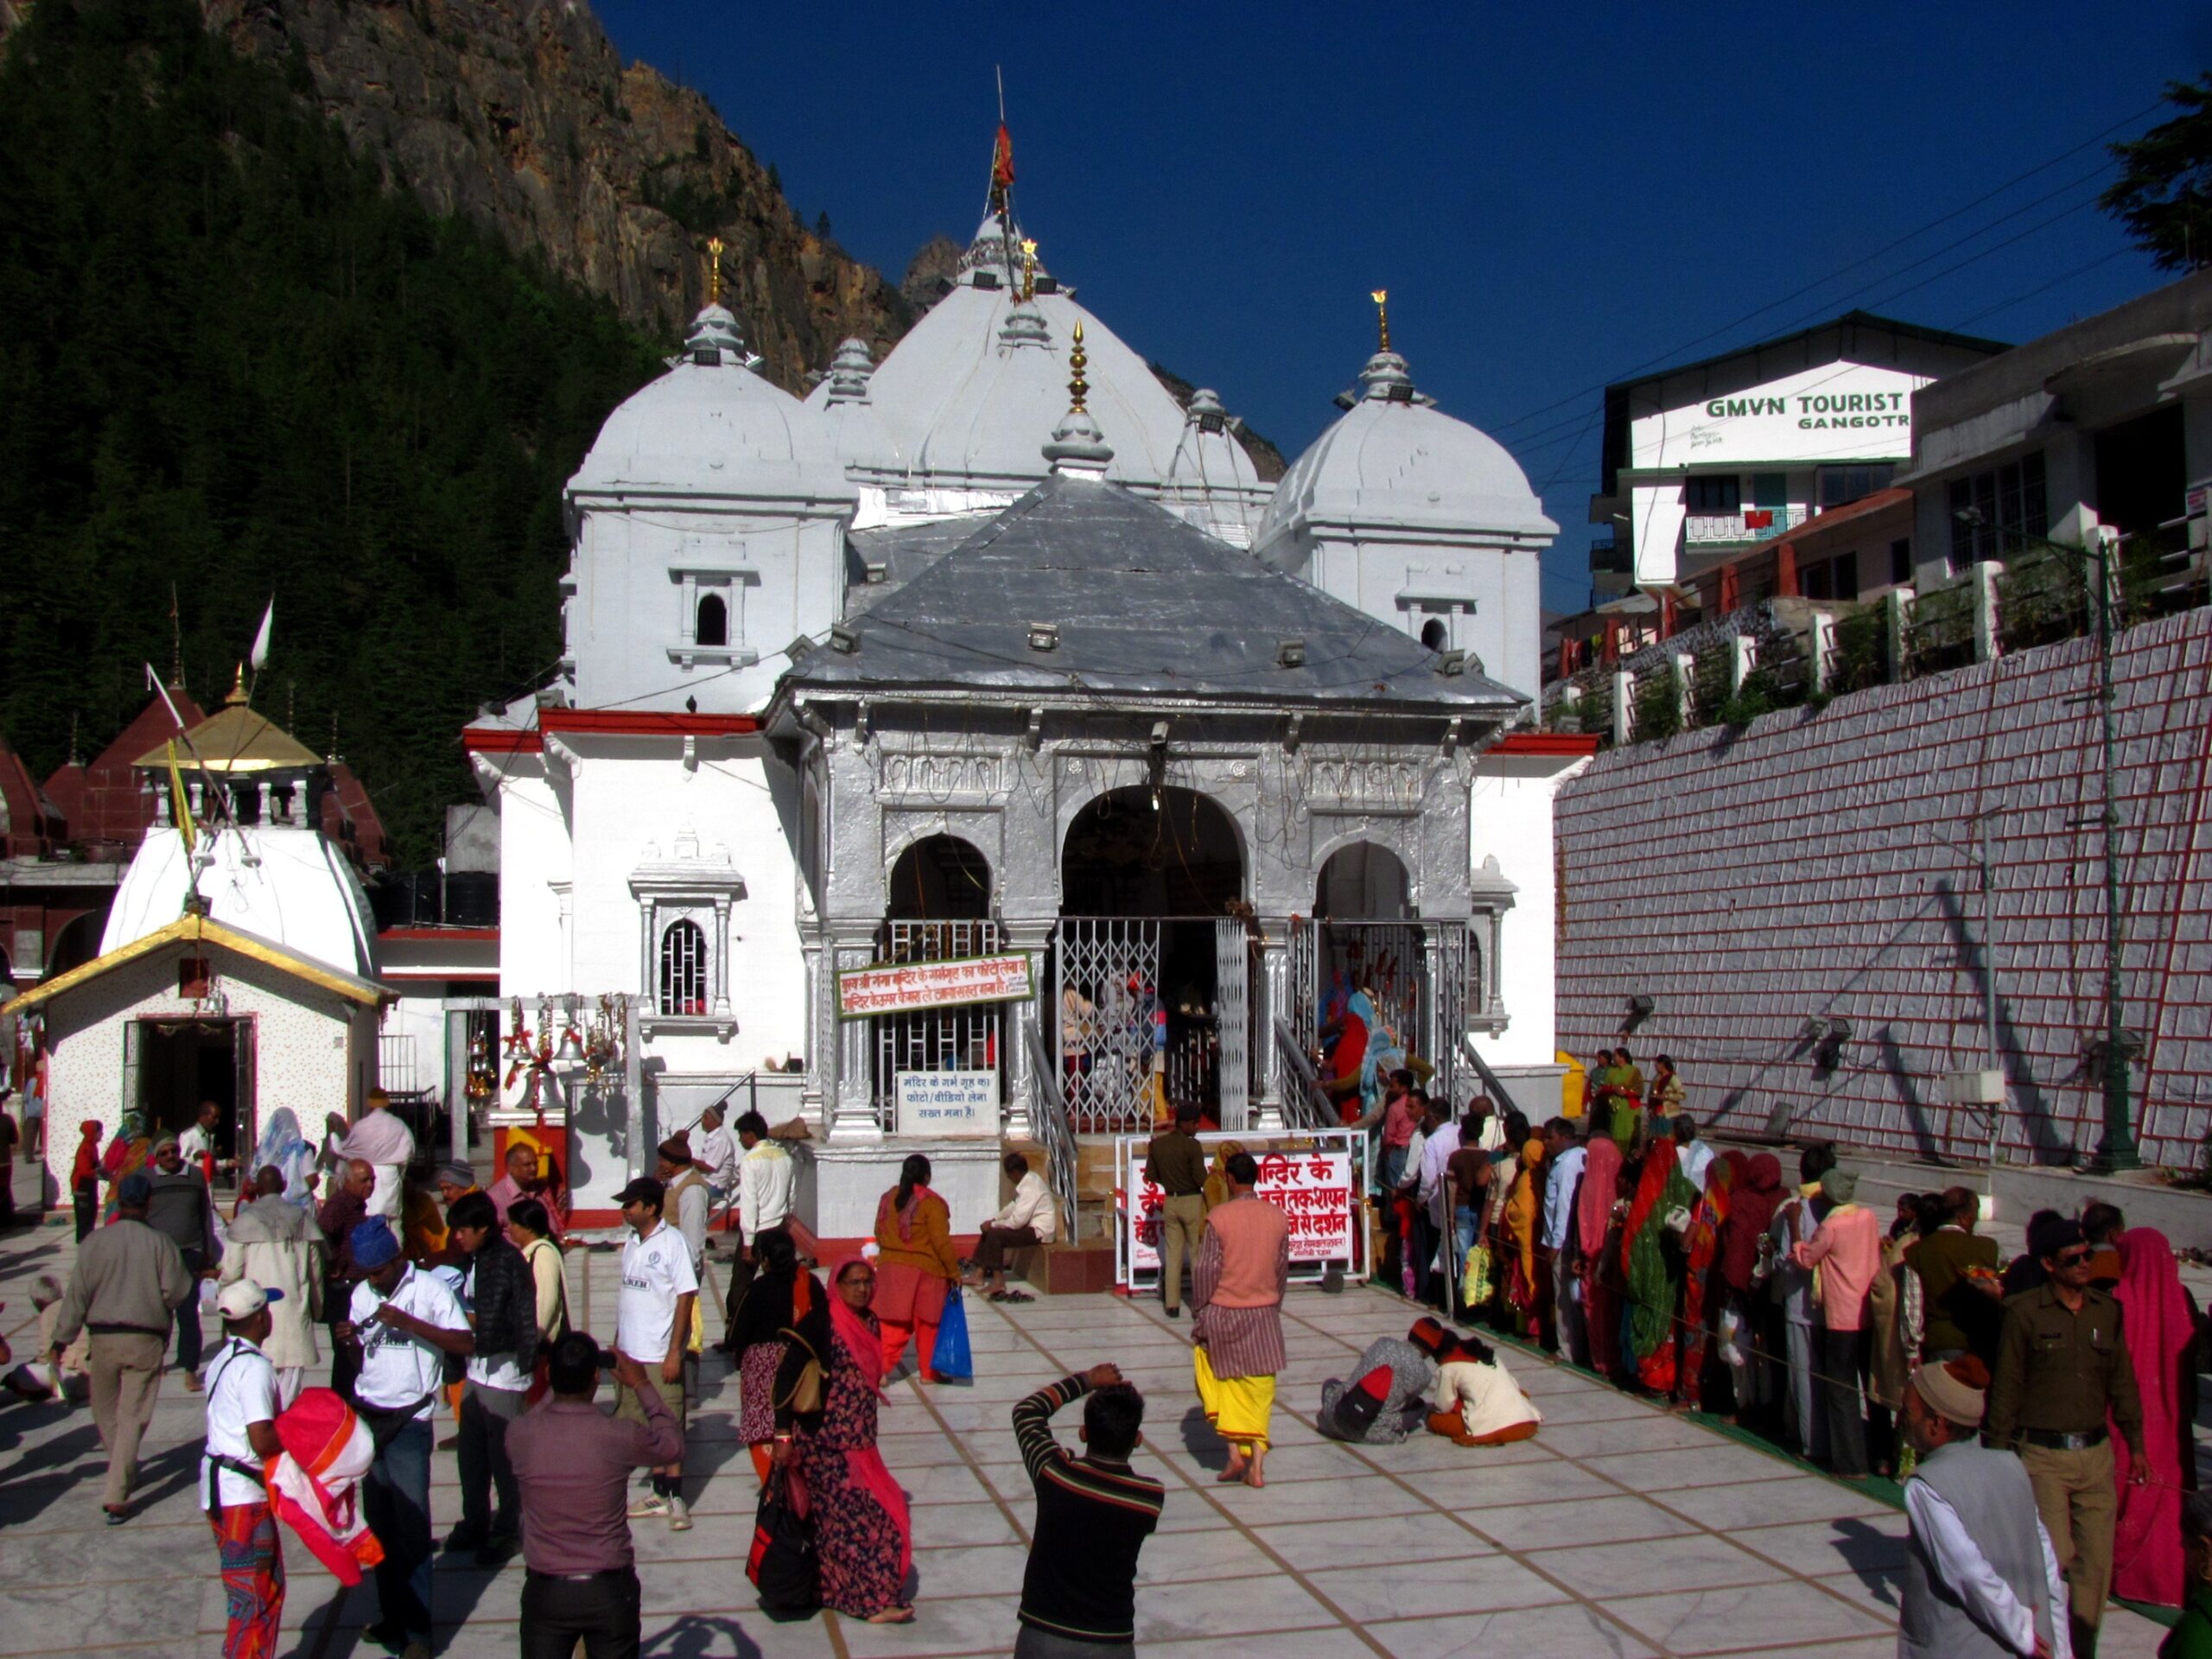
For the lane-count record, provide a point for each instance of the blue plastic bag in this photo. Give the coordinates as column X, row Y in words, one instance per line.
column 951, row 1358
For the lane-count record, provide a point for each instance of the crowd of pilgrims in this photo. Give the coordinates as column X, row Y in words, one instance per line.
column 1626, row 1243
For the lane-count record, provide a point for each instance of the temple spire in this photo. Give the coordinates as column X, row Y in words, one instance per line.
column 1382, row 298
column 714, row 271
column 1078, row 449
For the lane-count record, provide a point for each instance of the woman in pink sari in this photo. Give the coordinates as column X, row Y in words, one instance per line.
column 861, row 1533
column 2160, row 1327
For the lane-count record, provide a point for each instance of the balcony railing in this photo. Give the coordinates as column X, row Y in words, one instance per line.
column 1751, row 524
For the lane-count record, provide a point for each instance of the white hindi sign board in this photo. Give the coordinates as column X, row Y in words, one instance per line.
column 1312, row 1189
column 947, row 1104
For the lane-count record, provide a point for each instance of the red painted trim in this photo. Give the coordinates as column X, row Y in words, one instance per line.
column 644, row 723
column 500, row 740
column 435, row 933
column 1545, row 743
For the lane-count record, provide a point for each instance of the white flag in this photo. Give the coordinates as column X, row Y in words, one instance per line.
column 258, row 657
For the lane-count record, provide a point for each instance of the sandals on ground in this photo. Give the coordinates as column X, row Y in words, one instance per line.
column 1012, row 1296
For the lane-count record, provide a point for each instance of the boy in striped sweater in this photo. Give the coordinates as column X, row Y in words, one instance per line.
column 1078, row 1596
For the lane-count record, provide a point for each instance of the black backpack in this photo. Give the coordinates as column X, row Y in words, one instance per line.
column 782, row 1563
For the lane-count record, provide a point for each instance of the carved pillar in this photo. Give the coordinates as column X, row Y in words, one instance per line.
column 1025, row 1023
column 721, row 955
column 1271, row 997
column 822, row 1034
column 852, row 1111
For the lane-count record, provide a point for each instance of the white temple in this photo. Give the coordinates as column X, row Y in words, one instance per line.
column 771, row 752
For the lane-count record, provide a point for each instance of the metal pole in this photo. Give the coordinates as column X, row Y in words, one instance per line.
column 2119, row 1151
column 1989, row 1000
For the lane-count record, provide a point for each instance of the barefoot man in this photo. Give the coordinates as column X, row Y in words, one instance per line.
column 1238, row 1285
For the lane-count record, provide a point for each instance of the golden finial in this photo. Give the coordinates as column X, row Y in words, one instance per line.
column 1382, row 298
column 714, row 271
column 238, row 687
column 1028, row 268
column 1078, row 389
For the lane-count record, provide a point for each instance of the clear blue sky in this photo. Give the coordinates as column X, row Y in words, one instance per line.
column 1555, row 196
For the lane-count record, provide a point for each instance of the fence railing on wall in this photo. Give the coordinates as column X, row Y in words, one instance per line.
column 1782, row 654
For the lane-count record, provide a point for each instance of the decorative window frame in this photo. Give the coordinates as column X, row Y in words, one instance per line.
column 727, row 582
column 697, row 885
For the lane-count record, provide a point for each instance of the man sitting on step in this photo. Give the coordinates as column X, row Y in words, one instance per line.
column 1029, row 1218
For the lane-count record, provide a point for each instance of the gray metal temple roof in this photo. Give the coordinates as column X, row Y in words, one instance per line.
column 1141, row 604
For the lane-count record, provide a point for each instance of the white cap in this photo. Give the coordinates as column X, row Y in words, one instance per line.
column 242, row 1299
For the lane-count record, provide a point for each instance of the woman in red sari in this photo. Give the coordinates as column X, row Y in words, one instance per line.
column 862, row 1535
column 1704, row 1293
column 1593, row 1230
column 2159, row 1324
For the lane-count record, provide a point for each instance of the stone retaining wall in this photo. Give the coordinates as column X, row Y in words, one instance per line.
column 1821, row 863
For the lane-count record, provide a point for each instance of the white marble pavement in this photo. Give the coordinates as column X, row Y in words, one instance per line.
column 1620, row 1530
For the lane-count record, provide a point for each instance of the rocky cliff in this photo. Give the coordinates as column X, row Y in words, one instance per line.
column 519, row 114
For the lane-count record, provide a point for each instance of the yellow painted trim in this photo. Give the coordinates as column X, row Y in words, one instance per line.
column 194, row 930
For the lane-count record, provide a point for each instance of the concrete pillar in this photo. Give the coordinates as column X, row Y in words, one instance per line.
column 1624, row 706
column 1685, row 667
column 1897, row 610
column 1988, row 644
column 1822, row 643
column 1743, row 657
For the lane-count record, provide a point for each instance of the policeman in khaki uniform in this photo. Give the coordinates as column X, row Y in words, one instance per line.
column 2062, row 1367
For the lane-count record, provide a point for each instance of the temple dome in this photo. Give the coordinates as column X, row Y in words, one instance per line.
column 1395, row 460
column 712, row 426
column 973, row 391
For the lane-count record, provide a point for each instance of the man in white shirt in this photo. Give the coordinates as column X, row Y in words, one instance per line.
column 1565, row 1156
column 403, row 1322
column 1440, row 1139
column 1980, row 1573
column 716, row 1155
column 196, row 1146
column 1031, row 1216
column 765, row 1177
column 242, row 1411
column 652, row 1324
column 1692, row 1155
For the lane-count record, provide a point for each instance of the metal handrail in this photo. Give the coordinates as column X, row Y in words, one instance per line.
column 1492, row 1082
column 1305, row 1104
column 1048, row 1115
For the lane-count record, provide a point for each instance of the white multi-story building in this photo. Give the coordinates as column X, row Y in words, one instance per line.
column 1705, row 461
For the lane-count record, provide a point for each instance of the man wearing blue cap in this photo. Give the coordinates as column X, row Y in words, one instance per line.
column 403, row 1322
column 129, row 1279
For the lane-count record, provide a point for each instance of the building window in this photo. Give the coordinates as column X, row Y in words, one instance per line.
column 1844, row 573
column 1815, row 582
column 1711, row 494
column 1840, row 486
column 1435, row 634
column 1998, row 512
column 713, row 621
column 1769, row 489
column 1900, row 562
column 683, row 968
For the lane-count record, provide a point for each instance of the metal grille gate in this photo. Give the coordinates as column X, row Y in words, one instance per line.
column 1233, row 1022
column 964, row 1038
column 1105, row 1031
column 1390, row 961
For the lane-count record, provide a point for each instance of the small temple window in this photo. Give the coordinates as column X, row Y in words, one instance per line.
column 1435, row 634
column 713, row 621
column 683, row 968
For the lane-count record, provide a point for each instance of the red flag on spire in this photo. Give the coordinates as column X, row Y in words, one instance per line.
column 1002, row 159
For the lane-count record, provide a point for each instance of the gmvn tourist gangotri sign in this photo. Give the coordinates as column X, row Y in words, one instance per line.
column 911, row 987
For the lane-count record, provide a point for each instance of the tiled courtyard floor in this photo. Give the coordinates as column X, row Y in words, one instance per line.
column 1620, row 1530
